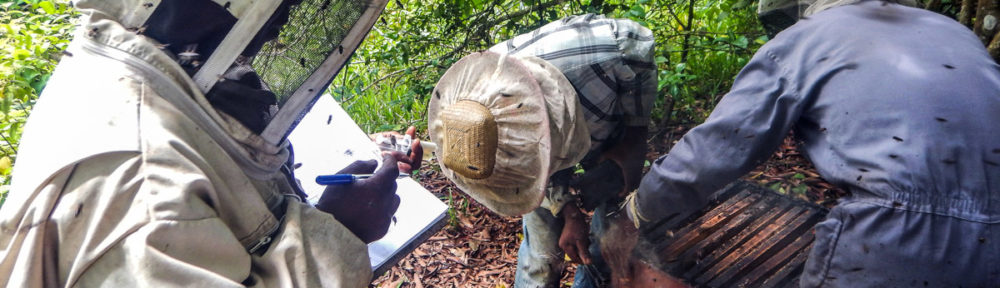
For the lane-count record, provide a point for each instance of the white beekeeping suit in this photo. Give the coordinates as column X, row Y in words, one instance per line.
column 128, row 176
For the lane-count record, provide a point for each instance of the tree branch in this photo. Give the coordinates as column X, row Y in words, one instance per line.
column 524, row 12
column 380, row 79
column 670, row 9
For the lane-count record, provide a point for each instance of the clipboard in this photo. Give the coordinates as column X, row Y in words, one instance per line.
column 327, row 140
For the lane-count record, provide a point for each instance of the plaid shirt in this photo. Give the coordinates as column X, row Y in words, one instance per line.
column 608, row 61
column 610, row 64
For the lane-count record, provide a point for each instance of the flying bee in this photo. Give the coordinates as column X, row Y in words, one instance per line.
column 188, row 55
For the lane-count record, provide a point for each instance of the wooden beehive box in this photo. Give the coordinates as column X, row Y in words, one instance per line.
column 748, row 236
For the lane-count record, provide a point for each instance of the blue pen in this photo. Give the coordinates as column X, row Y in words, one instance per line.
column 339, row 179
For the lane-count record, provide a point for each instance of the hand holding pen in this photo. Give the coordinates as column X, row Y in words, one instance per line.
column 365, row 201
column 366, row 204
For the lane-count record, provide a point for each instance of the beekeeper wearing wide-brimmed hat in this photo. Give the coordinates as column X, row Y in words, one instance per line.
column 513, row 123
column 157, row 154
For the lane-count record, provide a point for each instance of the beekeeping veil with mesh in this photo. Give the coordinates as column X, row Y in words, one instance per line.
column 295, row 47
column 776, row 15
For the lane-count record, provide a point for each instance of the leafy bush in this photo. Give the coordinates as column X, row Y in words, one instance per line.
column 33, row 35
column 701, row 45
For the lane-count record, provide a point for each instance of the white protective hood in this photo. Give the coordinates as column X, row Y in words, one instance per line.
column 319, row 37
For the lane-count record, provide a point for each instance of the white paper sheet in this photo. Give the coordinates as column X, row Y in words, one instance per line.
column 326, row 141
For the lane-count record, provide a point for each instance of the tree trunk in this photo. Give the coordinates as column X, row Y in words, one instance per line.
column 662, row 127
column 687, row 36
column 967, row 12
column 986, row 20
column 994, row 47
column 933, row 5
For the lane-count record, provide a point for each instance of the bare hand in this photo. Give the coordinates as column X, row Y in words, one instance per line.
column 574, row 240
column 411, row 162
column 365, row 207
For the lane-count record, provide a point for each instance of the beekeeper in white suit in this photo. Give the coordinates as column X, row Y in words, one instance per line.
column 157, row 155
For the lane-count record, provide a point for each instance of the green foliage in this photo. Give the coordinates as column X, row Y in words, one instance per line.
column 33, row 35
column 701, row 45
column 385, row 87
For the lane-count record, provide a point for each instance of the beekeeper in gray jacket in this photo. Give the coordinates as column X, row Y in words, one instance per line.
column 898, row 105
column 157, row 155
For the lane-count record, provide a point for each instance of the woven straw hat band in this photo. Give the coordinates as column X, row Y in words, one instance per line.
column 470, row 142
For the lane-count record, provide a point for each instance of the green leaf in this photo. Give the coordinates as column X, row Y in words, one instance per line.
column 741, row 42
column 776, row 186
column 28, row 74
column 800, row 189
column 21, row 54
column 48, row 7
column 5, row 165
column 637, row 12
column 798, row 176
column 39, row 83
column 8, row 28
column 5, row 104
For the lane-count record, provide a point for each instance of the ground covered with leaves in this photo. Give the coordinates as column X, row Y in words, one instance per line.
column 478, row 248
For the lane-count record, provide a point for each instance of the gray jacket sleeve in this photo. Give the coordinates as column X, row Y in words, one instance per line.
column 742, row 131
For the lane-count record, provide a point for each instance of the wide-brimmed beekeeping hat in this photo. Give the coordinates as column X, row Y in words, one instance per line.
column 503, row 125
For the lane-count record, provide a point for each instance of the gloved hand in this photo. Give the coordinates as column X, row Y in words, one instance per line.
column 366, row 207
column 630, row 208
column 411, row 162
column 574, row 240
